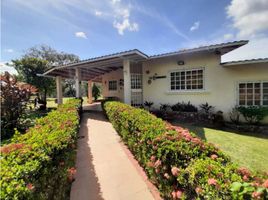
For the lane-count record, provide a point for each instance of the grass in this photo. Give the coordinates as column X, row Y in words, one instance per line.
column 247, row 150
column 51, row 101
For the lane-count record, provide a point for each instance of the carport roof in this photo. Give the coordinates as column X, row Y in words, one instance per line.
column 92, row 68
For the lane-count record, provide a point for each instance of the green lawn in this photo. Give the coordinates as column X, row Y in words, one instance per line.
column 245, row 149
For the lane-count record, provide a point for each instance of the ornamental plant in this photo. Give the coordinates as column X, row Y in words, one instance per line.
column 39, row 164
column 181, row 165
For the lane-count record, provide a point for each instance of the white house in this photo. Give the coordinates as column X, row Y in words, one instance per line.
column 196, row 75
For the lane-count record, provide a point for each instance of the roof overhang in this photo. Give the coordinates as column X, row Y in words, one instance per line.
column 93, row 68
column 245, row 62
column 219, row 49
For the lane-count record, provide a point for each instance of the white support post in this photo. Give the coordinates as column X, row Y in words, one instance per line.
column 127, row 82
column 59, row 89
column 89, row 87
column 77, row 82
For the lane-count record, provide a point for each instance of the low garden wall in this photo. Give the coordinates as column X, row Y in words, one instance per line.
column 181, row 165
column 39, row 164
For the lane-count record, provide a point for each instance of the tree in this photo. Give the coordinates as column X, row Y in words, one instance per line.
column 95, row 91
column 29, row 70
column 14, row 98
column 52, row 58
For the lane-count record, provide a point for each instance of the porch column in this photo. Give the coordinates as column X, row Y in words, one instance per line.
column 59, row 89
column 77, row 82
column 127, row 82
column 89, row 89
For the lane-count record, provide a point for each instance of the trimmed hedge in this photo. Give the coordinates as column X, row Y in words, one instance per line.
column 39, row 164
column 180, row 164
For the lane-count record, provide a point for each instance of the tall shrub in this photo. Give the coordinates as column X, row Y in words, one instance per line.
column 180, row 164
column 14, row 98
column 39, row 164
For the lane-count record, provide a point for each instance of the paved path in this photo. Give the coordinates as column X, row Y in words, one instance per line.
column 104, row 171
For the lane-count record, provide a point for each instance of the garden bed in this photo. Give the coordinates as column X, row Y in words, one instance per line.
column 181, row 165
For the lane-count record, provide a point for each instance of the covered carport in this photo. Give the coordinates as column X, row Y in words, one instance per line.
column 92, row 69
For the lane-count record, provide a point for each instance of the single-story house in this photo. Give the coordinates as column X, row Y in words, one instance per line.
column 196, row 75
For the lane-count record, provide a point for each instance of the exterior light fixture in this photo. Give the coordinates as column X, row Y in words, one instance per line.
column 180, row 62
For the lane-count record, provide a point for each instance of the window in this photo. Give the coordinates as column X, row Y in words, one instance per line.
column 187, row 80
column 253, row 94
column 112, row 85
column 136, row 81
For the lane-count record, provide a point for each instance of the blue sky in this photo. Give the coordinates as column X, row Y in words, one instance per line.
column 91, row 28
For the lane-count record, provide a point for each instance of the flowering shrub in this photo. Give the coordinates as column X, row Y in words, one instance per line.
column 38, row 164
column 180, row 164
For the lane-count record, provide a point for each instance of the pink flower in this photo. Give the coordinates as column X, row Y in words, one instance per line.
column 152, row 158
column 212, row 181
column 157, row 163
column 265, row 183
column 179, row 194
column 198, row 190
column 166, row 175
column 213, row 156
column 245, row 178
column 173, row 194
column 256, row 195
column 157, row 171
column 175, row 171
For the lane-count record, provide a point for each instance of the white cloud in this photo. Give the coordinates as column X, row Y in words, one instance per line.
column 9, row 50
column 98, row 13
column 250, row 17
column 4, row 67
column 81, row 35
column 228, row 36
column 125, row 25
column 195, row 26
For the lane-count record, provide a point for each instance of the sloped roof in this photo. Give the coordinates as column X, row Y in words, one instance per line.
column 250, row 61
column 222, row 48
column 96, row 66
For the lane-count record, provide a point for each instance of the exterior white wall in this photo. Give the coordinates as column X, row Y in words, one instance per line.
column 114, row 75
column 220, row 82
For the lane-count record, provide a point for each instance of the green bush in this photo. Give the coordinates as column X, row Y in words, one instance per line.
column 253, row 114
column 39, row 164
column 180, row 164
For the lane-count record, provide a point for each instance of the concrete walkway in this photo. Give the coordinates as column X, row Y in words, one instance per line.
column 104, row 170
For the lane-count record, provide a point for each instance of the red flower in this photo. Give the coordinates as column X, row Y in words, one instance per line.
column 212, row 181
column 157, row 171
column 175, row 171
column 71, row 172
column 265, row 183
column 30, row 186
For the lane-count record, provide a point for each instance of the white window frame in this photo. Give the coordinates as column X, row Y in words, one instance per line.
column 185, row 70
column 261, row 92
column 109, row 85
